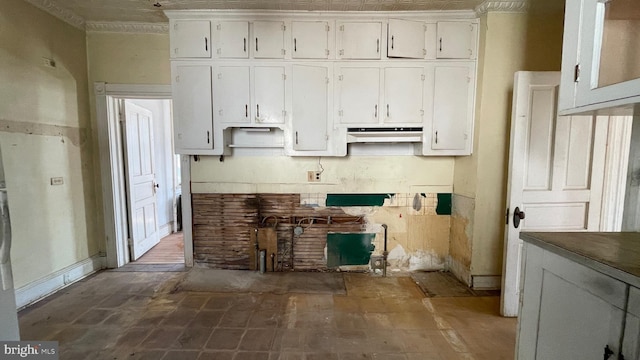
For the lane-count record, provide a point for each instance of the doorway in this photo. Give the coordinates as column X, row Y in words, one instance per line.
column 122, row 158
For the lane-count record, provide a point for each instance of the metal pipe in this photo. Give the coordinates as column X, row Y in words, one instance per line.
column 385, row 253
column 273, row 262
column 257, row 251
column 263, row 261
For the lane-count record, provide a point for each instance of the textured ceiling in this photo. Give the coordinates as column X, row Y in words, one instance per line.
column 144, row 11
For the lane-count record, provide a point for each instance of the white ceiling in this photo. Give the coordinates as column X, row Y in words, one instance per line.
column 144, row 11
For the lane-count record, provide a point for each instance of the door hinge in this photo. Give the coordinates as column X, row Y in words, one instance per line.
column 422, row 77
column 327, row 79
column 130, row 241
column 341, row 27
column 340, row 77
column 326, row 137
column 328, row 28
column 341, row 51
column 340, row 113
column 284, row 76
column 326, row 51
column 424, row 52
column 284, row 113
column 218, row 27
column 284, row 27
column 177, row 79
column 219, row 76
column 284, row 52
column 576, row 73
column 175, row 26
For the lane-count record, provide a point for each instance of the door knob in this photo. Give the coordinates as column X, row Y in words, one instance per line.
column 517, row 216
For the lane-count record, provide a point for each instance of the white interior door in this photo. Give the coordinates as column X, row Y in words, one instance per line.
column 556, row 167
column 141, row 182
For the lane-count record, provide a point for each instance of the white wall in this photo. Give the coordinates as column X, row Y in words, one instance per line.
column 45, row 133
column 163, row 156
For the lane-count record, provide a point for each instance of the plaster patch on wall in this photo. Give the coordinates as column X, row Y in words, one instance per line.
column 461, row 236
column 77, row 136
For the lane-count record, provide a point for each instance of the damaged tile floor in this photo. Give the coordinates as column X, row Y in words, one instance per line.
column 147, row 315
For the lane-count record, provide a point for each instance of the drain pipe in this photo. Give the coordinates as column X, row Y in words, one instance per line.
column 257, row 252
column 385, row 253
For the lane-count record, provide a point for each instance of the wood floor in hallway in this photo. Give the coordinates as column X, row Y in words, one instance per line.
column 170, row 250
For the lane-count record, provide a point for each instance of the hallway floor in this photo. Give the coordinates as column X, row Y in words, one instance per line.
column 147, row 315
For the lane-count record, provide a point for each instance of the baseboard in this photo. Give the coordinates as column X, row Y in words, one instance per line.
column 486, row 282
column 459, row 271
column 37, row 290
column 166, row 229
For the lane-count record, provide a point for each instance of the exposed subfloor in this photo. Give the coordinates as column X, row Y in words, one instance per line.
column 149, row 315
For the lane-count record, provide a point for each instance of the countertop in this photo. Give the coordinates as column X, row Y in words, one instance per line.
column 616, row 254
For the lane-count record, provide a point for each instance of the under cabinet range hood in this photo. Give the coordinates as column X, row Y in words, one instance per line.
column 384, row 135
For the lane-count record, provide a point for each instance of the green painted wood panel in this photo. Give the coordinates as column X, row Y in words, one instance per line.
column 349, row 248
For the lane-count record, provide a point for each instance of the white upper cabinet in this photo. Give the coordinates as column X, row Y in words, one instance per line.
column 190, row 39
column 249, row 95
column 600, row 67
column 310, row 107
column 269, row 94
column 310, row 39
column 358, row 95
column 359, row 40
column 268, row 39
column 403, row 95
column 193, row 126
column 233, row 39
column 231, row 93
column 452, row 114
column 455, row 40
column 406, row 39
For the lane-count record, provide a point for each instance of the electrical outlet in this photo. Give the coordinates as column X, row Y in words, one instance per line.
column 57, row 181
column 313, row 176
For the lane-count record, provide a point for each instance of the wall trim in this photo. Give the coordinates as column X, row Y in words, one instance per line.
column 486, row 282
column 39, row 289
column 521, row 6
column 165, row 230
column 127, row 27
column 61, row 13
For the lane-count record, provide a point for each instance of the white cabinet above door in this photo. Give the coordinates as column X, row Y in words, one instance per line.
column 403, row 95
column 359, row 40
column 190, row 39
column 456, row 40
column 406, row 39
column 233, row 39
column 310, row 39
column 358, row 95
column 310, row 108
column 268, row 39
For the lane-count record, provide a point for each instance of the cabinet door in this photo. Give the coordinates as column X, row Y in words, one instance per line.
column 310, row 101
column 359, row 93
column 192, row 108
column 191, row 39
column 452, row 107
column 455, row 40
column 406, row 39
column 631, row 340
column 310, row 39
column 403, row 94
column 231, row 93
column 269, row 92
column 359, row 40
column 268, row 39
column 233, row 37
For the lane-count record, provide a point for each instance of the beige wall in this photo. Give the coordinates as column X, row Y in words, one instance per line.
column 44, row 116
column 510, row 42
column 120, row 58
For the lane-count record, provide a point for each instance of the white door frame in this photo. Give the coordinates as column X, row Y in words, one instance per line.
column 110, row 148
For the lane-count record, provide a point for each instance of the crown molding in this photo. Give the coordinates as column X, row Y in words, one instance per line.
column 521, row 6
column 128, row 27
column 63, row 14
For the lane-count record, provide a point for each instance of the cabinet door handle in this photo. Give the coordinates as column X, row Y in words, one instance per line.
column 257, row 110
column 245, row 44
column 295, row 44
column 256, row 44
column 436, row 137
column 391, row 42
column 377, row 46
column 246, row 110
column 376, row 112
column 440, row 44
column 206, row 44
column 387, row 110
column 296, row 138
column 208, row 137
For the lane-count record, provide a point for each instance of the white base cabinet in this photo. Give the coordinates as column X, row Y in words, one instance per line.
column 309, row 81
column 572, row 311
